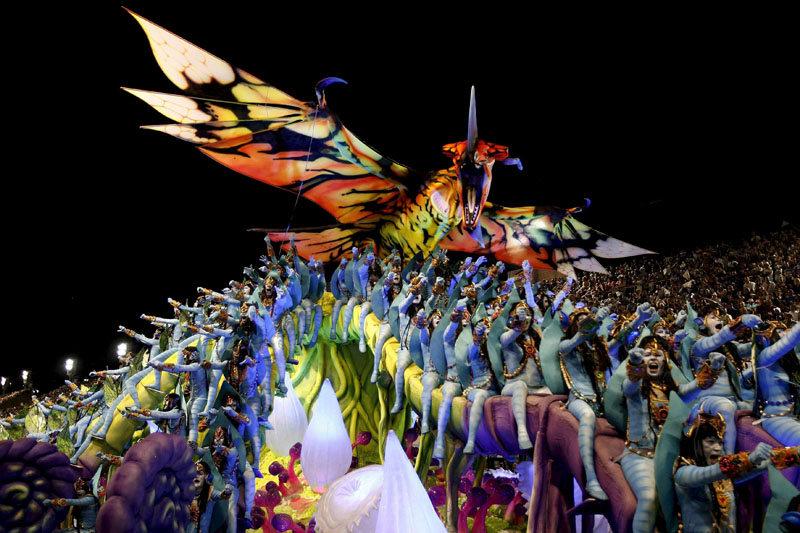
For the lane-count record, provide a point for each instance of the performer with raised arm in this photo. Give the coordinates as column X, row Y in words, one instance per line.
column 646, row 390
column 198, row 383
column 408, row 309
column 431, row 378
column 202, row 507
column 389, row 291
column 723, row 396
column 452, row 384
column 704, row 474
column 584, row 360
column 341, row 291
column 171, row 419
column 521, row 367
column 482, row 386
column 778, row 373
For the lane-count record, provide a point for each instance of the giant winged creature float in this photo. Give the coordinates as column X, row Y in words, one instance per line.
column 302, row 147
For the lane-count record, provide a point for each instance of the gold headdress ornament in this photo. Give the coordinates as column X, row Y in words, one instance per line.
column 662, row 323
column 577, row 314
column 772, row 325
column 651, row 345
column 521, row 304
column 621, row 325
column 705, row 419
column 470, row 292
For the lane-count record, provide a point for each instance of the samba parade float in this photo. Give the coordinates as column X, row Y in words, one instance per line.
column 430, row 381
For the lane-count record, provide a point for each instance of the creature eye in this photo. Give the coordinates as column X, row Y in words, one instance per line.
column 440, row 203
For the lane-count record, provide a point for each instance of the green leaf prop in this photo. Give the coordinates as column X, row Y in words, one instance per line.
column 16, row 431
column 163, row 341
column 136, row 362
column 72, row 416
column 55, row 420
column 111, row 390
column 35, row 421
column 64, row 444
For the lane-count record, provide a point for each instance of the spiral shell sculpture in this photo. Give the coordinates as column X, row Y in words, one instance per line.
column 152, row 490
column 30, row 472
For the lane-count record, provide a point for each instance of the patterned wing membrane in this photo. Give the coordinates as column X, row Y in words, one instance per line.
column 548, row 237
column 327, row 245
column 197, row 72
column 261, row 132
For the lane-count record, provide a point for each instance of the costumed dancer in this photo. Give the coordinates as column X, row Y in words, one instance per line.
column 389, row 292
column 316, row 289
column 646, row 388
column 230, row 466
column 341, row 291
column 198, row 384
column 272, row 304
column 452, row 384
column 85, row 507
column 704, row 475
column 241, row 417
column 482, row 385
column 431, row 378
column 408, row 308
column 778, row 373
column 366, row 282
column 584, row 361
column 351, row 275
column 723, row 396
column 521, row 367
column 171, row 419
column 202, row 507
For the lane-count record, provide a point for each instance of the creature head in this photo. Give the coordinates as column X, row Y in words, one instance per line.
column 576, row 320
column 473, row 160
column 269, row 288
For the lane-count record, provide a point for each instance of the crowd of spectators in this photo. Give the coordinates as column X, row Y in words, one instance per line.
column 759, row 274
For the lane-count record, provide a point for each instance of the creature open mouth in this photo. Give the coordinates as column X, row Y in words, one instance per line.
column 474, row 186
column 652, row 367
column 718, row 327
column 472, row 207
column 714, row 458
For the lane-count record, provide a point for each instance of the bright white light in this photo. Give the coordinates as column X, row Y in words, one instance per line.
column 122, row 349
column 2, row 381
column 24, row 375
column 68, row 365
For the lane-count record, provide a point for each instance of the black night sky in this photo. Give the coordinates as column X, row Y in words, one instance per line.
column 678, row 134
